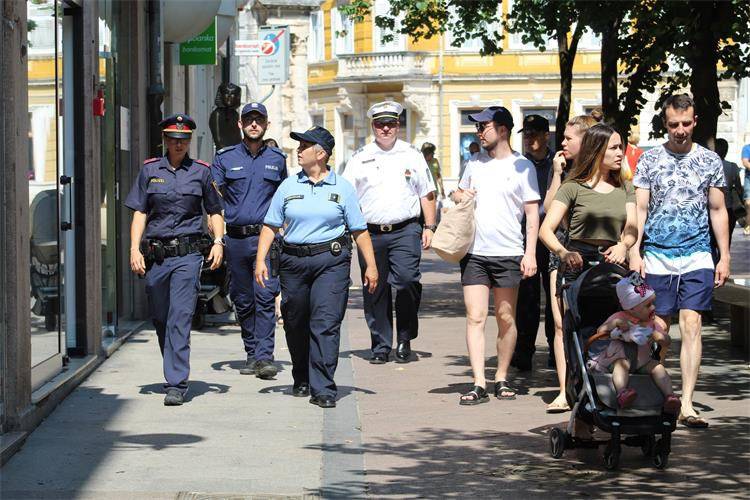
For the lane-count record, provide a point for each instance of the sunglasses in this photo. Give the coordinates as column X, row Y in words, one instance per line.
column 386, row 123
column 259, row 119
column 482, row 127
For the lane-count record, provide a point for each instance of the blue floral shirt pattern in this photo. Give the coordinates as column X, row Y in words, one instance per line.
column 677, row 222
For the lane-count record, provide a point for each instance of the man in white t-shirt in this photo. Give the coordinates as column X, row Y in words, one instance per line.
column 505, row 188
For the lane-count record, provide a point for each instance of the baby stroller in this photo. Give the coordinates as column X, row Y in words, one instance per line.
column 591, row 299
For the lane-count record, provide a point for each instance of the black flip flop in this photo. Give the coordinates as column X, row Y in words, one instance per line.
column 477, row 395
column 693, row 422
column 502, row 386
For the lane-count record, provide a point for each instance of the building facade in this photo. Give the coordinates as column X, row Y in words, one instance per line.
column 86, row 82
column 439, row 84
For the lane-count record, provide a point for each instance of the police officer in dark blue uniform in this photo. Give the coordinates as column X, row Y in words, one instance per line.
column 248, row 175
column 319, row 211
column 166, row 199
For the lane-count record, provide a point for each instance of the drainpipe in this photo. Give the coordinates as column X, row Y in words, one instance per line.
column 156, row 89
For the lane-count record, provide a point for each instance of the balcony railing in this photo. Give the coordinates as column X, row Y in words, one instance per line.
column 382, row 65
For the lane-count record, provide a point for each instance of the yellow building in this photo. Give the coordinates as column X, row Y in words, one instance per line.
column 438, row 84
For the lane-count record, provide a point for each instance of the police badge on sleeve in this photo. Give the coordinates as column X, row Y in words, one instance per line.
column 407, row 175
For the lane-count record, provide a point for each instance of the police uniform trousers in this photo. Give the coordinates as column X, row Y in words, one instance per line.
column 172, row 288
column 254, row 305
column 527, row 308
column 314, row 293
column 397, row 256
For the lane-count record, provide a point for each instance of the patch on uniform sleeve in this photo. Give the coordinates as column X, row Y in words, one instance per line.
column 334, row 198
column 294, row 197
column 407, row 175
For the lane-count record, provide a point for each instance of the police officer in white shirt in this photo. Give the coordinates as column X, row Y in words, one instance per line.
column 394, row 186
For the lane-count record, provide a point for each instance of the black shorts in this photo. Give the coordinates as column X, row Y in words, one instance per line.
column 493, row 272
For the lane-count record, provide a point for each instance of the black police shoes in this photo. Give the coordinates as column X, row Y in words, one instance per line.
column 265, row 369
column 301, row 390
column 379, row 359
column 249, row 368
column 403, row 352
column 323, row 401
column 173, row 398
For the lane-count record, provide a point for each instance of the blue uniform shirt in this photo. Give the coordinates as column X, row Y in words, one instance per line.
column 315, row 213
column 171, row 199
column 248, row 182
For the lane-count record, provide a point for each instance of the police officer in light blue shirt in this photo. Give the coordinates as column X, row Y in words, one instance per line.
column 248, row 175
column 319, row 212
column 166, row 199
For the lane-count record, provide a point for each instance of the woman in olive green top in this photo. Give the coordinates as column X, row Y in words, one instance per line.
column 599, row 206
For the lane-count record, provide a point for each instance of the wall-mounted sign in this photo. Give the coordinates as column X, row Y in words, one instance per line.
column 200, row 50
column 273, row 65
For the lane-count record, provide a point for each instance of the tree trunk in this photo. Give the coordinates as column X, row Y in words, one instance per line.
column 566, row 55
column 610, row 55
column 704, row 81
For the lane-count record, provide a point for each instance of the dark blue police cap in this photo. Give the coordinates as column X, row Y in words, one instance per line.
column 179, row 126
column 316, row 135
column 256, row 107
column 535, row 123
column 497, row 114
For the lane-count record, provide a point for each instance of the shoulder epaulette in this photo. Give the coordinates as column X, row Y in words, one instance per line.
column 277, row 150
column 359, row 151
column 201, row 162
column 152, row 160
column 224, row 150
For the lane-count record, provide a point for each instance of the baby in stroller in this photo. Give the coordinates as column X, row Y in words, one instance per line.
column 631, row 333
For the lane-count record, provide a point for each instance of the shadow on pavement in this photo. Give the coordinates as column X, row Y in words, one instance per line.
column 236, row 364
column 161, row 441
column 343, row 390
column 196, row 389
column 447, row 463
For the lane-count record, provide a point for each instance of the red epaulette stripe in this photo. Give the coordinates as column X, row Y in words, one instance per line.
column 151, row 160
column 202, row 163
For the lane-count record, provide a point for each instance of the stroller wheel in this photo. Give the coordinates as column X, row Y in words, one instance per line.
column 611, row 458
column 648, row 446
column 661, row 455
column 557, row 439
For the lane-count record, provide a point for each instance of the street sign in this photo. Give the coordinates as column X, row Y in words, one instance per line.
column 273, row 65
column 200, row 50
column 247, row 47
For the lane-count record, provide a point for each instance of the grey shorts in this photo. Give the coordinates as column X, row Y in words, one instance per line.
column 493, row 272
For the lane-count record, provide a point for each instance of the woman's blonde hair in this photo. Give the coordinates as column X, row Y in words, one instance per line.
column 582, row 123
column 587, row 164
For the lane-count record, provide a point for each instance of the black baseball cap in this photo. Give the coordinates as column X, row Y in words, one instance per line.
column 535, row 123
column 497, row 114
column 316, row 135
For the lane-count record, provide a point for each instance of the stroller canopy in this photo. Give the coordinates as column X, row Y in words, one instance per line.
column 592, row 298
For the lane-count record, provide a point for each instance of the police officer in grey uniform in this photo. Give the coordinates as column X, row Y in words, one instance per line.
column 394, row 186
column 320, row 213
column 166, row 200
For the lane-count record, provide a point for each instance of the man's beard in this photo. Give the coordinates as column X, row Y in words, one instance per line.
column 254, row 139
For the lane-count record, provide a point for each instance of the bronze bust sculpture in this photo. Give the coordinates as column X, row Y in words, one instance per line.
column 223, row 119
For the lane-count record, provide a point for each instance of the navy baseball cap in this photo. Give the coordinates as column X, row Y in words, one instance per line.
column 497, row 114
column 316, row 135
column 179, row 126
column 535, row 123
column 254, row 107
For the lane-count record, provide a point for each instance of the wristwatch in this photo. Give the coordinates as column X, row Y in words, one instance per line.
column 431, row 227
column 219, row 241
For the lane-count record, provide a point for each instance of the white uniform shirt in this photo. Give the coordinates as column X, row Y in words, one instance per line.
column 389, row 184
column 502, row 186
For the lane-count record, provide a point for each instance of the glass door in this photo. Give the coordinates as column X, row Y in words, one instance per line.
column 51, row 189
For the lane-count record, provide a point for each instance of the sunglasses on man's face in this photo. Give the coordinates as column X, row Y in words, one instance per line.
column 386, row 123
column 481, row 127
column 259, row 119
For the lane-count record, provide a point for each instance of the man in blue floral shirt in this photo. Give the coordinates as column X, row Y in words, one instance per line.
column 678, row 187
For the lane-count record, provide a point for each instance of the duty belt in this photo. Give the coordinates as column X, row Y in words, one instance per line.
column 243, row 231
column 389, row 228
column 177, row 247
column 333, row 246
